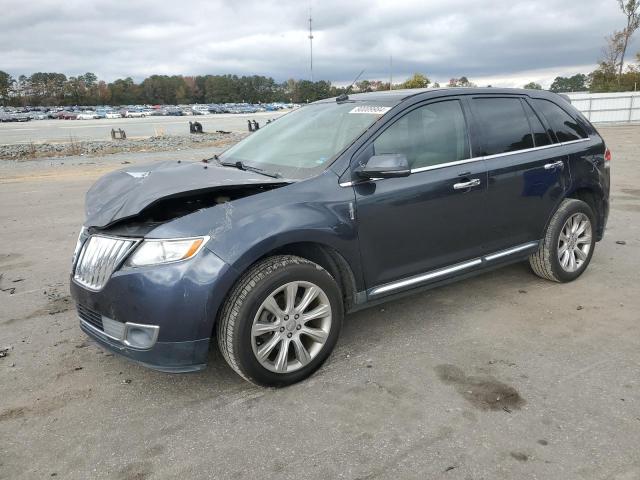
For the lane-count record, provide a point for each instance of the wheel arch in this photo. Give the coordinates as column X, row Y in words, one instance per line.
column 592, row 196
column 327, row 256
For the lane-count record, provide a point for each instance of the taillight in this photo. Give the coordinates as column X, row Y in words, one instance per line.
column 607, row 155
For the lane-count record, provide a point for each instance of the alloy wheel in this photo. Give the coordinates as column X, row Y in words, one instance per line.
column 574, row 242
column 291, row 326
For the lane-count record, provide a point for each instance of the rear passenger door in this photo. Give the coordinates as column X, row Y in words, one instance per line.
column 527, row 174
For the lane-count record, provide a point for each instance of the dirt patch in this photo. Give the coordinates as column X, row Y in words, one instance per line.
column 56, row 303
column 521, row 457
column 483, row 392
column 12, row 413
column 44, row 406
column 136, row 471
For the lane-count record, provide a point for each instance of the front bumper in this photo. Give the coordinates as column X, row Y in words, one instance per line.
column 171, row 357
column 182, row 299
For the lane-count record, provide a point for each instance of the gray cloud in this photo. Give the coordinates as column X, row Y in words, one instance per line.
column 496, row 40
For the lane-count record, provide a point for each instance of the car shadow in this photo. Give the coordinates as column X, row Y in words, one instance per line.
column 406, row 316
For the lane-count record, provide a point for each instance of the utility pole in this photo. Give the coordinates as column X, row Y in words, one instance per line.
column 390, row 72
column 311, row 44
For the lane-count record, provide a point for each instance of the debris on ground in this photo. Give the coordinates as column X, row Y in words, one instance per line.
column 621, row 242
column 4, row 352
column 161, row 143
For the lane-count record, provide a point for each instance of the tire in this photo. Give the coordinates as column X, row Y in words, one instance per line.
column 549, row 261
column 248, row 311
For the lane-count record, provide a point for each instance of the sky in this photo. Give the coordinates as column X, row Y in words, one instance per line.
column 497, row 42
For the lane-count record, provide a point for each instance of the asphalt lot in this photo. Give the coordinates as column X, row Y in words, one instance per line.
column 64, row 131
column 404, row 396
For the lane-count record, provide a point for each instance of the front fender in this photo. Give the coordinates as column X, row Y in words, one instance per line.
column 315, row 210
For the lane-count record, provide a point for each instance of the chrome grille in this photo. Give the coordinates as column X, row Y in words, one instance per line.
column 99, row 257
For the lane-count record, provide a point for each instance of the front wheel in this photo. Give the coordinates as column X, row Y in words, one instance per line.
column 567, row 248
column 281, row 321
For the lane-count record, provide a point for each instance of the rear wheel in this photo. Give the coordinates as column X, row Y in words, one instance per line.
column 566, row 250
column 281, row 321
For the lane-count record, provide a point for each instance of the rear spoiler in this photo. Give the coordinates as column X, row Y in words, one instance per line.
column 566, row 97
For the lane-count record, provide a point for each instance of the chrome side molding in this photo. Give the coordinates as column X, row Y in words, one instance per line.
column 442, row 272
column 424, row 277
column 510, row 251
column 476, row 159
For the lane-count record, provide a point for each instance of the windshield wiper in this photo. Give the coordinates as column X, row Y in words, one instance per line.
column 242, row 166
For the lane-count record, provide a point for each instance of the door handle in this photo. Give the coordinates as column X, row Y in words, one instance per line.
column 554, row 165
column 474, row 182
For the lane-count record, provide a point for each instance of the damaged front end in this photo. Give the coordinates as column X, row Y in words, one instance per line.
column 167, row 190
column 176, row 206
column 143, row 287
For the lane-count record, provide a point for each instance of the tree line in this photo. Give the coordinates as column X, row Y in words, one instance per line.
column 51, row 88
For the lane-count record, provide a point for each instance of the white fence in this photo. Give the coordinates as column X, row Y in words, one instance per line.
column 608, row 107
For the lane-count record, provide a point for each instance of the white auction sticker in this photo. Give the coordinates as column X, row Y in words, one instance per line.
column 371, row 109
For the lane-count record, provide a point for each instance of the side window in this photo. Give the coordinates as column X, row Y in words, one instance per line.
column 540, row 135
column 504, row 123
column 429, row 135
column 565, row 127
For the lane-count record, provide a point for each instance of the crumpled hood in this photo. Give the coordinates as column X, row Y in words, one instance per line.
column 125, row 193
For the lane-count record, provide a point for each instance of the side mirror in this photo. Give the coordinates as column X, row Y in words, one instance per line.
column 385, row 166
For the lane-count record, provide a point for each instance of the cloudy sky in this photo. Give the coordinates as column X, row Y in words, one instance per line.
column 501, row 42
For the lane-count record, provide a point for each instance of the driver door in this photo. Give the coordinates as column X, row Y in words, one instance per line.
column 431, row 219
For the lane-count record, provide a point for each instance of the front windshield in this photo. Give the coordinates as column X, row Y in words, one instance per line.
column 305, row 141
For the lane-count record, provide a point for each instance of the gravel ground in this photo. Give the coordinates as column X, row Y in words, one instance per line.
column 407, row 393
column 30, row 151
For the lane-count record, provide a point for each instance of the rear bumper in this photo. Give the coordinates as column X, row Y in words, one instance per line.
column 171, row 357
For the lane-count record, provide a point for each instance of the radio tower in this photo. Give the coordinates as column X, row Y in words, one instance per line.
column 311, row 44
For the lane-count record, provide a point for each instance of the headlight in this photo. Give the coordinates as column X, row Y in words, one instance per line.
column 154, row 252
column 79, row 243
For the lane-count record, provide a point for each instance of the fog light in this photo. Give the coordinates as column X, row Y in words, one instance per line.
column 140, row 337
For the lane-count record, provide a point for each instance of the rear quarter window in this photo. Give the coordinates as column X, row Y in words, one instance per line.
column 540, row 135
column 565, row 127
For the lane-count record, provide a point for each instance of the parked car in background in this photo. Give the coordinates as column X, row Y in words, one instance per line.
column 173, row 111
column 40, row 115
column 66, row 115
column 22, row 117
column 134, row 114
column 200, row 109
column 87, row 115
column 113, row 115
